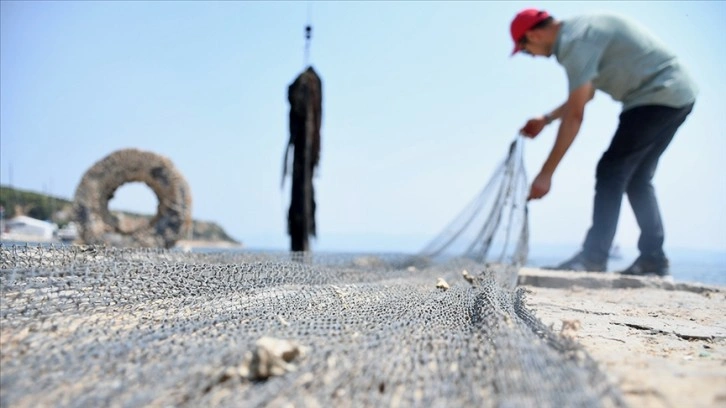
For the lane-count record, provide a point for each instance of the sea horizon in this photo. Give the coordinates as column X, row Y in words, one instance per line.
column 688, row 265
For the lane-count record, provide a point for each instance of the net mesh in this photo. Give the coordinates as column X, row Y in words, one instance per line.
column 493, row 226
column 95, row 326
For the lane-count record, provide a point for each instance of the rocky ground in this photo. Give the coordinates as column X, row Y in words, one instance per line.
column 664, row 344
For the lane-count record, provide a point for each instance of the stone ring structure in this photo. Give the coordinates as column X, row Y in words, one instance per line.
column 98, row 226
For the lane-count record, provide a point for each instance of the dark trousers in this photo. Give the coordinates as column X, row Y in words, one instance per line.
column 628, row 167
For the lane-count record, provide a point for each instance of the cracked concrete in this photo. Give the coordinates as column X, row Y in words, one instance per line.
column 664, row 343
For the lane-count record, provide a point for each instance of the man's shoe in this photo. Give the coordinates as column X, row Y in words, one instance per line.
column 648, row 267
column 579, row 263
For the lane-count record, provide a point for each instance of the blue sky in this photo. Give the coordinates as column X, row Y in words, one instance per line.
column 420, row 103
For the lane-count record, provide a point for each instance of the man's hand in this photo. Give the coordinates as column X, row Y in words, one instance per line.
column 533, row 127
column 540, row 186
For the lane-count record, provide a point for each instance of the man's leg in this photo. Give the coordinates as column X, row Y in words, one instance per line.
column 641, row 193
column 642, row 136
column 626, row 151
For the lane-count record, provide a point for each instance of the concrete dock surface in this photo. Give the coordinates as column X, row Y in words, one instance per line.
column 663, row 343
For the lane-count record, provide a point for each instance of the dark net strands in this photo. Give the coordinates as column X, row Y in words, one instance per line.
column 305, row 96
column 98, row 326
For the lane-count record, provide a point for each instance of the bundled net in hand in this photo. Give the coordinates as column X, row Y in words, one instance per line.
column 493, row 227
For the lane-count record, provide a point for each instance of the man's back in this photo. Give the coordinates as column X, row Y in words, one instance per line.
column 622, row 59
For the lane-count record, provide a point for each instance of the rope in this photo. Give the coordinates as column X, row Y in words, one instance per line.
column 308, row 36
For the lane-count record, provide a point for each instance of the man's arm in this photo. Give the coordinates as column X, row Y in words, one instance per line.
column 559, row 111
column 535, row 125
column 571, row 113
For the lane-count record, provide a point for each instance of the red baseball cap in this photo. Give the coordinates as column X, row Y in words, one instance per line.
column 523, row 22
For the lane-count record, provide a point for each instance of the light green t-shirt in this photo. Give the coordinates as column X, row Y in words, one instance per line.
column 623, row 60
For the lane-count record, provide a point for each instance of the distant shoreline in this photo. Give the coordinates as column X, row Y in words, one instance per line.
column 16, row 239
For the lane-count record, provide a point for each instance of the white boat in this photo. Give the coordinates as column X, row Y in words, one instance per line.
column 26, row 229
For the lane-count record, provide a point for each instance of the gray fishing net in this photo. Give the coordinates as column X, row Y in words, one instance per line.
column 90, row 326
column 493, row 226
column 97, row 326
